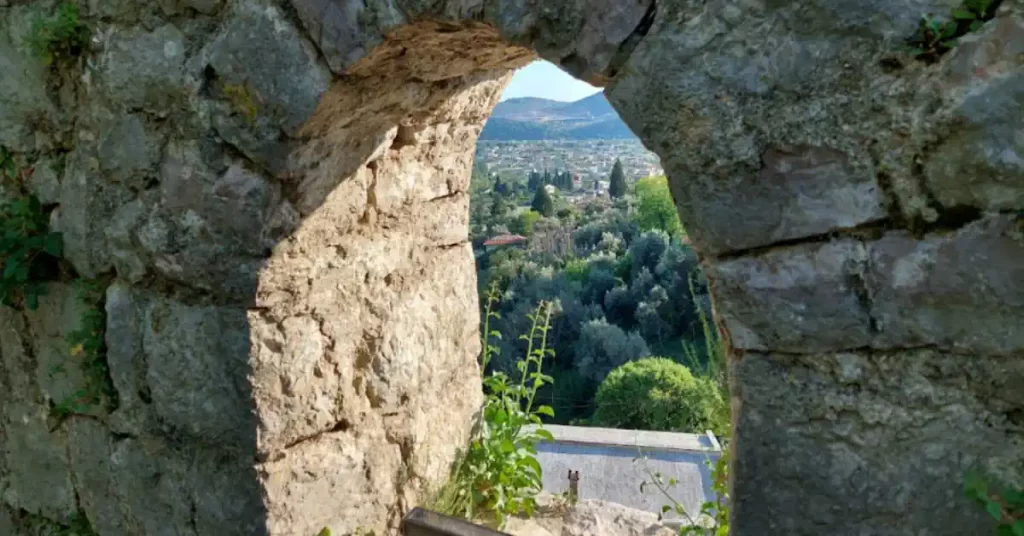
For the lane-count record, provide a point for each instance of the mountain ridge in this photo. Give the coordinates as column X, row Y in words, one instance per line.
column 534, row 118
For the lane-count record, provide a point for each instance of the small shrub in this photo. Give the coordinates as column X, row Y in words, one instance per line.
column 27, row 249
column 59, row 36
column 1004, row 504
column 934, row 37
column 499, row 475
column 656, row 393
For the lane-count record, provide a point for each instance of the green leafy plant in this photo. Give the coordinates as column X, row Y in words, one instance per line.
column 499, row 475
column 1004, row 504
column 713, row 518
column 8, row 169
column 86, row 344
column 58, row 36
column 25, row 245
column 935, row 37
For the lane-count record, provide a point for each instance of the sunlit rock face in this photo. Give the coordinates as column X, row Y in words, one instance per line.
column 274, row 195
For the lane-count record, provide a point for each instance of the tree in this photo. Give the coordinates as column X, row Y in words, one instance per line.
column 655, row 208
column 657, row 393
column 524, row 222
column 646, row 251
column 617, row 185
column 542, row 203
column 602, row 347
column 499, row 187
column 533, row 181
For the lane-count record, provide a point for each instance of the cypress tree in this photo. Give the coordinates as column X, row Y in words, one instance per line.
column 542, row 203
column 617, row 185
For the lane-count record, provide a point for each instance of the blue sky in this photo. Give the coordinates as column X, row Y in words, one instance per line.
column 543, row 79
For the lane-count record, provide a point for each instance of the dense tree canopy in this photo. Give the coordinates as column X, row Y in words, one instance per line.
column 655, row 208
column 621, row 293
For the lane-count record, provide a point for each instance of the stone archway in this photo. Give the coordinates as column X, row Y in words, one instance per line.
column 276, row 192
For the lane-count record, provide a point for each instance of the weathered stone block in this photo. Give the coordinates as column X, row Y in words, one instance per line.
column 345, row 31
column 981, row 163
column 141, row 69
column 85, row 203
column 799, row 192
column 126, row 358
column 259, row 52
column 335, row 480
column 44, row 181
column 801, row 299
column 846, row 443
column 204, row 219
column 128, row 151
column 959, row 290
column 197, row 370
column 146, row 486
column 23, row 96
column 38, row 479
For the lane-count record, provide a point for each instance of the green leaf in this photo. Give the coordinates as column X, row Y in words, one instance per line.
column 1018, row 528
column 546, row 410
column 976, row 25
column 10, row 267
column 507, row 446
column 963, row 14
column 324, row 532
column 994, row 510
column 544, row 434
column 53, row 244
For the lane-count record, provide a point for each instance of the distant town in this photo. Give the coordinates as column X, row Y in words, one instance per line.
column 587, row 160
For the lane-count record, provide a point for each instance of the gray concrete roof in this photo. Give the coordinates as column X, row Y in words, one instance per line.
column 613, row 464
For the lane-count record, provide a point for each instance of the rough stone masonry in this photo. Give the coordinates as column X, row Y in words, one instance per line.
column 274, row 194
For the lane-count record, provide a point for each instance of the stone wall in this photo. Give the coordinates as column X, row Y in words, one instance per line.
column 273, row 194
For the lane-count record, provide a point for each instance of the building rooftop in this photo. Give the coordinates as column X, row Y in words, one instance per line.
column 505, row 239
column 613, row 464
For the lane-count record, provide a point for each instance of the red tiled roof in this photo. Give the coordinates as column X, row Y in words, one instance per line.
column 504, row 240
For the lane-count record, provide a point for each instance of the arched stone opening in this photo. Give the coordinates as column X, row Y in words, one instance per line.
column 275, row 192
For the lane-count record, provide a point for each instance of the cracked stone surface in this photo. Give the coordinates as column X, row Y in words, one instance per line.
column 275, row 194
